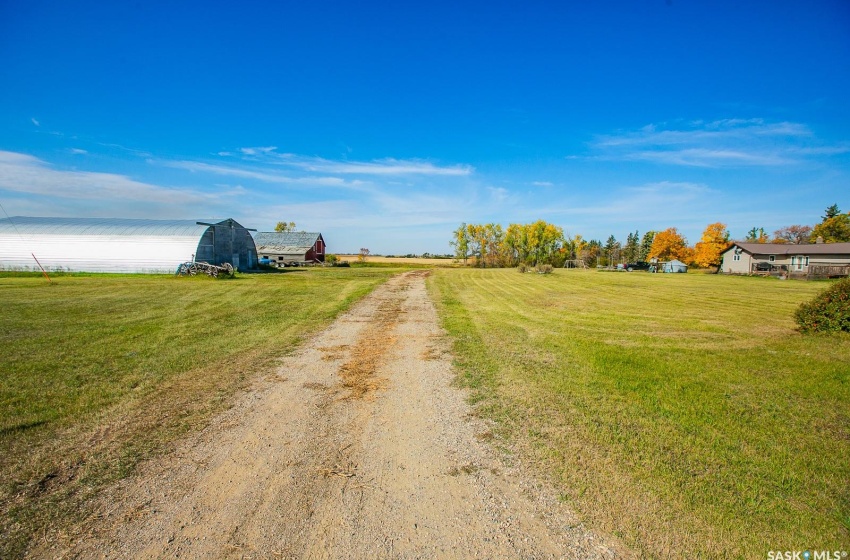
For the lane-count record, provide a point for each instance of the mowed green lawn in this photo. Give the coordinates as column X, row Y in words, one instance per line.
column 682, row 413
column 101, row 371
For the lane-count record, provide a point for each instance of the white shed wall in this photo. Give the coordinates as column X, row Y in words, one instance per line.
column 91, row 253
column 97, row 244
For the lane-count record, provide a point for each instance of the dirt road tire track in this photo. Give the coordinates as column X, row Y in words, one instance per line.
column 358, row 447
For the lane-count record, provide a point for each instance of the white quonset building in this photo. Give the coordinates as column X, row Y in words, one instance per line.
column 122, row 245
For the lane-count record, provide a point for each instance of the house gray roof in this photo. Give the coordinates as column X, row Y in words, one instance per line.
column 286, row 242
column 792, row 249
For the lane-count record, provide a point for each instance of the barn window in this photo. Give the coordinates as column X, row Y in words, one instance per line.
column 771, row 258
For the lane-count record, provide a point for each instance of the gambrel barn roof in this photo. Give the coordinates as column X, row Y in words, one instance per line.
column 287, row 241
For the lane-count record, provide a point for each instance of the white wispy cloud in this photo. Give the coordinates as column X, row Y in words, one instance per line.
column 731, row 142
column 265, row 176
column 543, row 183
column 702, row 157
column 35, row 122
column 78, row 151
column 379, row 167
column 499, row 194
column 26, row 174
column 258, row 150
column 647, row 206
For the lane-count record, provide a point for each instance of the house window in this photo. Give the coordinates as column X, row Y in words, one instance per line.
column 807, row 261
column 771, row 258
column 736, row 257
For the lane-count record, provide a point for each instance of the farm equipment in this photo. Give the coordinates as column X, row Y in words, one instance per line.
column 195, row 268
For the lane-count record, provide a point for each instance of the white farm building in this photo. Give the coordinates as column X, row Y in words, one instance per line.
column 122, row 245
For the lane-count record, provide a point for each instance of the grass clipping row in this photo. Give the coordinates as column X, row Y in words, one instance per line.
column 358, row 374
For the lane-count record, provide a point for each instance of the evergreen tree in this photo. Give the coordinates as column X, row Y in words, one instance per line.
column 612, row 250
column 831, row 212
column 757, row 235
column 631, row 252
column 646, row 245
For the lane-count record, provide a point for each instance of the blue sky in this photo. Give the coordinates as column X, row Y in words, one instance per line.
column 386, row 124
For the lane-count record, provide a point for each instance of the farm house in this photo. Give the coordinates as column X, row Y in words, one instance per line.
column 805, row 260
column 122, row 245
column 290, row 246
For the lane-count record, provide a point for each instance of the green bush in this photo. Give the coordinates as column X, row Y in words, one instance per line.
column 544, row 269
column 829, row 311
column 522, row 267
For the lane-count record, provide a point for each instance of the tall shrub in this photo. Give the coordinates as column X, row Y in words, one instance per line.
column 829, row 311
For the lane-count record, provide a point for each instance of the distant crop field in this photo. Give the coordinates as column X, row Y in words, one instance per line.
column 402, row 261
column 101, row 371
column 682, row 413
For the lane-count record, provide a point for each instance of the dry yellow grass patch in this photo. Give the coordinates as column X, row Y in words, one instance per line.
column 401, row 261
column 359, row 372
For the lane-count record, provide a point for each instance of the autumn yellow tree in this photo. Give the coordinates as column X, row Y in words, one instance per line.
column 536, row 243
column 544, row 241
column 835, row 227
column 484, row 242
column 461, row 243
column 715, row 240
column 515, row 244
column 670, row 244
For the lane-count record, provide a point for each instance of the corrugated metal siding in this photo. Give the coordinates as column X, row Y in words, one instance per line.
column 99, row 244
column 103, row 226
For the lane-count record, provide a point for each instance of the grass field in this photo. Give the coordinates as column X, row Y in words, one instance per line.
column 101, row 371
column 681, row 413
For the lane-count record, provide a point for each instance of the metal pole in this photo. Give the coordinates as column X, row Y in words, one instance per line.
column 42, row 269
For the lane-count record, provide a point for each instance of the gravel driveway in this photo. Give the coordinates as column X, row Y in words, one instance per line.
column 358, row 447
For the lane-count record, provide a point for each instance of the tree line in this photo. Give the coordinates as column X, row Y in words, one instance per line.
column 538, row 243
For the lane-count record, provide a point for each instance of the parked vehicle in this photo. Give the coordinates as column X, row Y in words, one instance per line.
column 766, row 266
column 639, row 265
